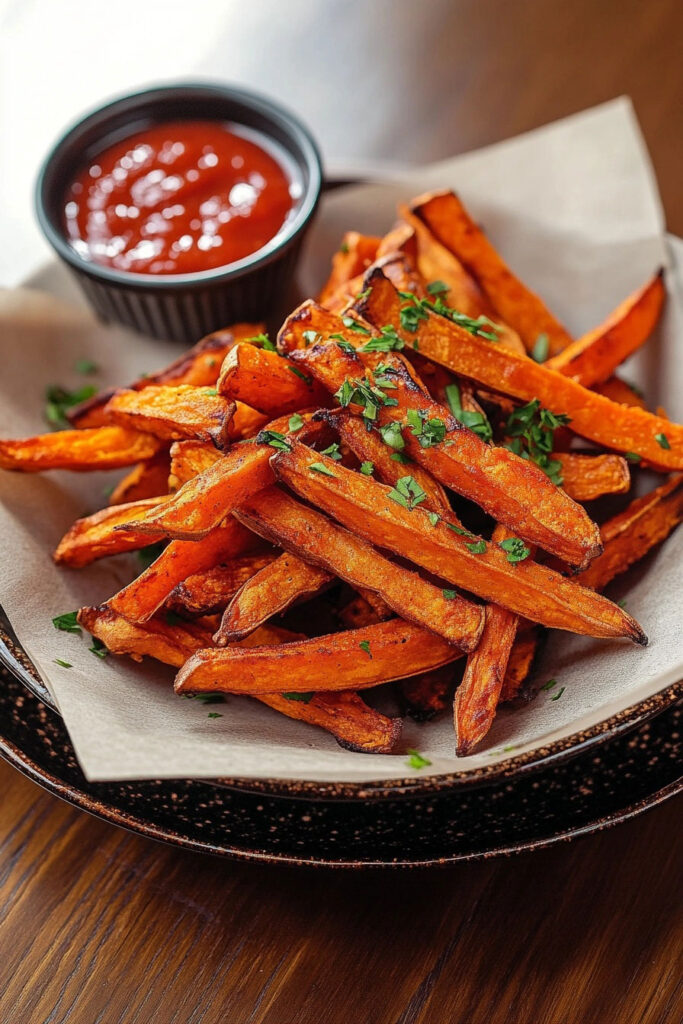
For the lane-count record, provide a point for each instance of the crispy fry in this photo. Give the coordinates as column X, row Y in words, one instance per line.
column 189, row 459
column 618, row 390
column 181, row 558
column 427, row 695
column 360, row 612
column 199, row 366
column 205, row 500
column 585, row 477
column 521, row 661
column 366, row 507
column 522, row 309
column 272, row 590
column 630, row 535
column 354, row 255
column 512, row 490
column 146, row 480
column 174, row 413
column 212, row 590
column 277, row 517
column 78, row 450
column 594, row 357
column 245, row 422
column 96, row 536
column 267, row 382
column 355, row 725
column 355, row 659
column 592, row 415
column 368, row 447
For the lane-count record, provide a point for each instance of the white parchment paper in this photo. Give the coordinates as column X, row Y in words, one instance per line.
column 574, row 208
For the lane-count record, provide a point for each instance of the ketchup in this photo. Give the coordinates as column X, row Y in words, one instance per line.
column 177, row 198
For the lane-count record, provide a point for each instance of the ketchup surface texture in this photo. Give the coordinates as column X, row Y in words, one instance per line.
column 177, row 198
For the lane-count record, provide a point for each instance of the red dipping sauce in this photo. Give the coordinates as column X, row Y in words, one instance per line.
column 178, row 198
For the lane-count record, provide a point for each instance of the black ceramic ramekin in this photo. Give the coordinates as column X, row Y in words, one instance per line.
column 183, row 307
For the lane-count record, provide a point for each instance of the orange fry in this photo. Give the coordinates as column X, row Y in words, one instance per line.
column 521, row 660
column 78, row 450
column 594, row 357
column 427, row 695
column 617, row 390
column 189, row 459
column 174, row 413
column 372, row 511
column 585, row 477
column 355, row 659
column 277, row 517
column 267, row 382
column 592, row 416
column 146, row 480
column 354, row 255
column 522, row 309
column 96, row 536
column 212, row 590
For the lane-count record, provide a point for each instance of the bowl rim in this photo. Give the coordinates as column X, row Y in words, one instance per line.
column 272, row 111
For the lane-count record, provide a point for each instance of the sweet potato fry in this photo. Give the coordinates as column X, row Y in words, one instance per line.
column 628, row 536
column 359, row 611
column 277, row 517
column 212, row 590
column 245, row 422
column 372, row 511
column 594, row 357
column 512, row 490
column 189, row 459
column 354, row 255
column 522, row 309
column 181, row 558
column 174, row 413
column 592, row 415
column 146, row 480
column 355, row 725
column 96, row 536
column 521, row 660
column 618, row 390
column 205, row 500
column 585, row 477
column 199, row 366
column 426, row 696
column 79, row 450
column 270, row 591
column 368, row 447
column 355, row 659
column 267, row 382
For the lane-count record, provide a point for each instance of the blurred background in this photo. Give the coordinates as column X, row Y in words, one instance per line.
column 381, row 83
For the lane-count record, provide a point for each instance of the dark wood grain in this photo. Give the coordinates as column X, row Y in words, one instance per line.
column 101, row 927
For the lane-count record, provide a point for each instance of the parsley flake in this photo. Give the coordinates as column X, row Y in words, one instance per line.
column 532, row 432
column 391, row 435
column 558, row 694
column 515, row 549
column 150, row 553
column 212, row 392
column 450, row 595
column 632, row 457
column 214, row 714
column 311, row 337
column 416, row 760
column 478, row 547
column 401, row 457
column 428, row 430
column 549, row 685
column 68, row 622
column 210, row 698
column 85, row 366
column 275, row 439
column 304, row 698
column 437, row 288
column 353, row 325
column 63, row 664
column 662, row 440
column 296, row 422
column 365, row 646
column 263, row 341
column 98, row 648
column 58, row 401
column 320, row 467
column 407, row 492
column 434, row 518
column 332, row 452
column 387, row 340
column 367, row 468
column 541, row 348
column 302, row 376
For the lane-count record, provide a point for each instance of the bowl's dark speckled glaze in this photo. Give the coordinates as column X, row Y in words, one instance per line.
column 566, row 797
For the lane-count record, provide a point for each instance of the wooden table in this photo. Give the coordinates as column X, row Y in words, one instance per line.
column 99, row 927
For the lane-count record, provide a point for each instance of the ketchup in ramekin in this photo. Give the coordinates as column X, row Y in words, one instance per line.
column 179, row 197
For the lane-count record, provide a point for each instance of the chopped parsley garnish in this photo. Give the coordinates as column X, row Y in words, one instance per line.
column 391, row 435
column 362, row 392
column 622, row 603
column 632, row 457
column 275, row 439
column 401, row 457
column 362, row 296
column 365, row 646
column 320, row 467
column 211, row 391
column 302, row 376
column 450, row 595
column 459, row 530
column 311, row 337
column 433, row 517
column 367, row 468
column 515, row 549
column 343, row 344
column 214, row 714
column 264, row 341
column 304, row 698
column 296, row 422
column 387, row 341
column 541, row 348
column 477, row 547
column 98, row 648
column 473, row 420
column 414, row 310
column 85, row 366
column 332, row 452
column 428, row 430
column 63, row 664
column 353, row 325
column 549, row 685
column 437, row 288
column 662, row 440
column 407, row 492
column 210, row 698
column 344, row 247
column 68, row 622
column 58, row 400
column 452, row 392
column 558, row 694
column 416, row 759
column 532, row 430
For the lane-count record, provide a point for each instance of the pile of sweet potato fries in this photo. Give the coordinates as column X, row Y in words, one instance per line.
column 417, row 448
